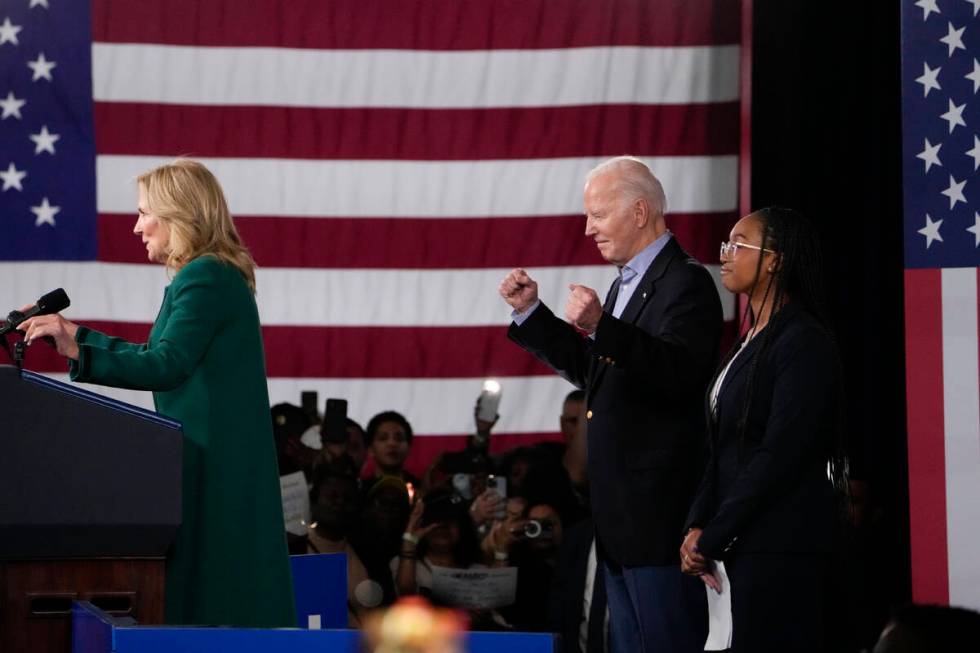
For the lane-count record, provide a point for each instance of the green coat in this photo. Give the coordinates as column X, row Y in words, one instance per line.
column 204, row 363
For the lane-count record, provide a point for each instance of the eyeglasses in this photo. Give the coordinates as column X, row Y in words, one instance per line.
column 730, row 249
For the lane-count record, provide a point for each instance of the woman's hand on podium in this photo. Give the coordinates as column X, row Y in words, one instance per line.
column 60, row 330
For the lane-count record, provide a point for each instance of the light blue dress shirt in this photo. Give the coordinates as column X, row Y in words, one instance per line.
column 631, row 273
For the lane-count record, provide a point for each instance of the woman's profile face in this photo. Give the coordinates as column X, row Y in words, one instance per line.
column 154, row 232
column 738, row 267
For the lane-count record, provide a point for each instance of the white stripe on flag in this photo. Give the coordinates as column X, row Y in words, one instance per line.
column 341, row 297
column 169, row 74
column 434, row 406
column 961, row 411
column 427, row 189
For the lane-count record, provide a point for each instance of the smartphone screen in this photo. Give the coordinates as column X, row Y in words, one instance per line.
column 334, row 427
column 309, row 401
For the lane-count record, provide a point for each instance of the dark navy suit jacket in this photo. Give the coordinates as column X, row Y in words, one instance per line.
column 645, row 375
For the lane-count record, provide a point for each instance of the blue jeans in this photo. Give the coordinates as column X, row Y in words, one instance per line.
column 655, row 610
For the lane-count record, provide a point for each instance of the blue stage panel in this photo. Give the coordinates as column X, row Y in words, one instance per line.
column 320, row 588
column 150, row 639
column 93, row 631
column 510, row 643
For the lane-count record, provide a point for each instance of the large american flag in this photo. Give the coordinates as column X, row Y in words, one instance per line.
column 387, row 161
column 941, row 152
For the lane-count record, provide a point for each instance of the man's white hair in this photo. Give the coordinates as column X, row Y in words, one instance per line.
column 634, row 181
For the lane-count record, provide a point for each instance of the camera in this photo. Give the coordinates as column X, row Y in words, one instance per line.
column 535, row 528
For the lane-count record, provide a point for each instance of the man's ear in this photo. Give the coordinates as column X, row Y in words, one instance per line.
column 641, row 213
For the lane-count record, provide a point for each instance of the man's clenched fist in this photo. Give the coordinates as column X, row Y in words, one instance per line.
column 519, row 290
column 583, row 308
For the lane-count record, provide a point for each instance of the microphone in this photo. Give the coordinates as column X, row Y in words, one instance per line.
column 52, row 302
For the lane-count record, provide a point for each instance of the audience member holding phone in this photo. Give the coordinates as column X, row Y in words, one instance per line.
column 439, row 533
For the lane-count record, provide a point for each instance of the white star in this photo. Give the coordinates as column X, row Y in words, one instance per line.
column 927, row 6
column 975, row 75
column 929, row 79
column 954, row 39
column 955, row 192
column 8, row 32
column 975, row 229
column 41, row 67
column 954, row 116
column 931, row 231
column 12, row 177
column 11, row 106
column 44, row 140
column 976, row 6
column 930, row 155
column 975, row 152
column 44, row 3
column 45, row 213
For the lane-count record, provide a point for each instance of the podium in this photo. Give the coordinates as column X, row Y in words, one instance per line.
column 90, row 503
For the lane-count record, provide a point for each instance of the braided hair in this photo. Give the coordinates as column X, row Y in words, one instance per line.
column 798, row 274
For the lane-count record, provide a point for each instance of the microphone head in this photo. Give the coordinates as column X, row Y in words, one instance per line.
column 53, row 302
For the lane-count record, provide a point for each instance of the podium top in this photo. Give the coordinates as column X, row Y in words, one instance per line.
column 93, row 397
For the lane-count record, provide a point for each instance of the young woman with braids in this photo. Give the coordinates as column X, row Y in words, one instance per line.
column 767, row 507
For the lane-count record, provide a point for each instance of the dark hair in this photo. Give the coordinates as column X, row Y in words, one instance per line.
column 340, row 468
column 928, row 628
column 381, row 418
column 288, row 420
column 575, row 395
column 799, row 273
column 799, row 276
column 467, row 549
column 342, row 465
column 349, row 423
column 288, row 423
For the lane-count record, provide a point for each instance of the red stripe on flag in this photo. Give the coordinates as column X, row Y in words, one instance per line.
column 395, row 352
column 417, row 134
column 701, row 234
column 358, row 352
column 926, row 439
column 417, row 24
column 421, row 243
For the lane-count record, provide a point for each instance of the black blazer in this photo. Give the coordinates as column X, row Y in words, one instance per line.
column 779, row 500
column 645, row 375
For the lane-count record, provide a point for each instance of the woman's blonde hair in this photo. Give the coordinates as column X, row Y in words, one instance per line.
column 186, row 197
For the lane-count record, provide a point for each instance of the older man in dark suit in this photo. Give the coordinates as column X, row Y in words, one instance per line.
column 644, row 357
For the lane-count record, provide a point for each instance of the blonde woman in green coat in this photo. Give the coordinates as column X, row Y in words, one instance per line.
column 204, row 363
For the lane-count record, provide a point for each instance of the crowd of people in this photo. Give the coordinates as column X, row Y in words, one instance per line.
column 471, row 509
